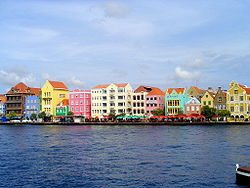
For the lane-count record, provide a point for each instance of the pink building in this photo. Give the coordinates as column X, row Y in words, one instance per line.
column 80, row 102
column 155, row 99
column 193, row 106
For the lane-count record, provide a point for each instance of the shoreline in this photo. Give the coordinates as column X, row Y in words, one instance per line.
column 127, row 123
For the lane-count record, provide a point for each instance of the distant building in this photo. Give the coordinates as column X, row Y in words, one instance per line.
column 52, row 93
column 62, row 108
column 238, row 101
column 112, row 98
column 208, row 99
column 196, row 92
column 32, row 105
column 80, row 102
column 16, row 97
column 175, row 101
column 220, row 100
column 193, row 106
column 2, row 105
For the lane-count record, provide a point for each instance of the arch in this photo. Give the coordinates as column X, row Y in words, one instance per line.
column 242, row 117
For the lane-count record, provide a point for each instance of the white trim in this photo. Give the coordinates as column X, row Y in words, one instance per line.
column 243, row 173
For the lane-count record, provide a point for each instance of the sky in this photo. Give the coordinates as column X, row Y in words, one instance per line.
column 163, row 43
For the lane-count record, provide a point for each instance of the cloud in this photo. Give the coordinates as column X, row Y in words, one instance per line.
column 115, row 9
column 197, row 63
column 46, row 76
column 74, row 82
column 185, row 74
column 15, row 75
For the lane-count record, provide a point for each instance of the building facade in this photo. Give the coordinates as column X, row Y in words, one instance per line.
column 155, row 99
column 112, row 98
column 80, row 102
column 175, row 101
column 238, row 101
column 2, row 105
column 32, row 106
column 208, row 99
column 193, row 106
column 16, row 97
column 52, row 93
column 62, row 108
column 220, row 100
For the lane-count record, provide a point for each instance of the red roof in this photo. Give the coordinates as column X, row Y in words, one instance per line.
column 150, row 90
column 106, row 85
column 178, row 90
column 22, row 88
column 3, row 99
column 58, row 85
column 198, row 89
column 64, row 102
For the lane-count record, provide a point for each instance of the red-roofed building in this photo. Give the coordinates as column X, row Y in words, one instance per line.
column 175, row 101
column 53, row 93
column 196, row 92
column 146, row 99
column 62, row 108
column 16, row 97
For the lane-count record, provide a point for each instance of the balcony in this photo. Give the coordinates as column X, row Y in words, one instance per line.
column 13, row 101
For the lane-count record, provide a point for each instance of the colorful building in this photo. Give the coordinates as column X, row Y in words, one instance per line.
column 196, row 92
column 155, row 99
column 52, row 93
column 193, row 106
column 2, row 105
column 32, row 106
column 112, row 98
column 62, row 108
column 16, row 97
column 220, row 99
column 238, row 101
column 175, row 101
column 80, row 102
column 208, row 99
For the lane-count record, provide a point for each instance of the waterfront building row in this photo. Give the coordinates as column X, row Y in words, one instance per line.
column 54, row 98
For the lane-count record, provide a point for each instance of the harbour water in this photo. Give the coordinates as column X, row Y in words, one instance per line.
column 122, row 156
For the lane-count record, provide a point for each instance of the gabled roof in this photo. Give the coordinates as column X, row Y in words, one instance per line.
column 195, row 99
column 22, row 88
column 64, row 102
column 212, row 94
column 198, row 89
column 106, row 85
column 58, row 85
column 178, row 90
column 122, row 85
column 36, row 91
column 156, row 91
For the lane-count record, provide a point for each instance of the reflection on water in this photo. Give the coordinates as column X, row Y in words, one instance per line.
column 119, row 156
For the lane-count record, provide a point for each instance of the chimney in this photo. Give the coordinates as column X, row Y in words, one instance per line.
column 210, row 89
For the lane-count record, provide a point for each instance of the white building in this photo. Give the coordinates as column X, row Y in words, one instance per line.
column 112, row 98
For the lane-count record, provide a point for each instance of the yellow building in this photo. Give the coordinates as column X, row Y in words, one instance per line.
column 238, row 101
column 208, row 99
column 52, row 93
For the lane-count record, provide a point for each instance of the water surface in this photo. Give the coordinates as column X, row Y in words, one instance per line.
column 122, row 156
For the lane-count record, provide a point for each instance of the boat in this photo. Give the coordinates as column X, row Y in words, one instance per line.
column 242, row 175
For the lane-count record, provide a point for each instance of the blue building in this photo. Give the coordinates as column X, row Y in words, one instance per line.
column 175, row 101
column 2, row 105
column 32, row 106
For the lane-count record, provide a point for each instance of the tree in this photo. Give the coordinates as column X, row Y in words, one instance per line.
column 112, row 113
column 12, row 114
column 33, row 116
column 70, row 113
column 208, row 112
column 42, row 115
column 180, row 111
column 158, row 112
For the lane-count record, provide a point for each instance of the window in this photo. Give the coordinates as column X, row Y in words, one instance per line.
column 192, row 108
column 219, row 99
column 236, row 92
column 72, row 96
column 241, row 108
column 81, row 102
column 206, row 96
column 72, row 102
column 209, row 102
column 76, row 109
column 76, row 102
column 232, row 108
column 81, row 96
column 188, row 108
column 155, row 98
column 232, row 98
column 204, row 103
column 61, row 95
column 241, row 98
column 80, row 109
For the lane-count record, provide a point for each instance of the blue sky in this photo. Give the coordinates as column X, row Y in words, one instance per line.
column 164, row 43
